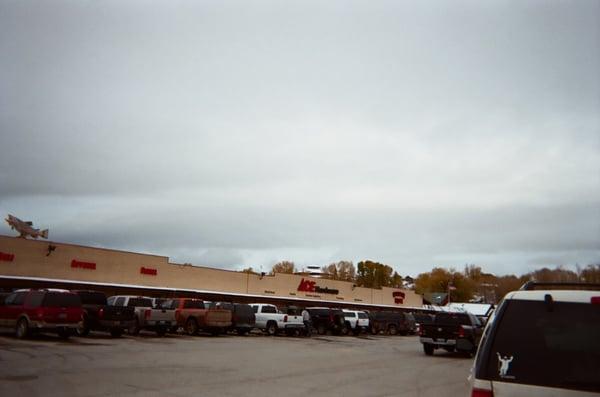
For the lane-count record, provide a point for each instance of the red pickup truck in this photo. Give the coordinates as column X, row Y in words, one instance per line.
column 193, row 316
column 28, row 311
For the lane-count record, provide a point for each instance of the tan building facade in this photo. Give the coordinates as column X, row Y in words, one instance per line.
column 31, row 259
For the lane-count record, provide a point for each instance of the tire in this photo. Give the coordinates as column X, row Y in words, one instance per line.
column 345, row 330
column 428, row 349
column 135, row 328
column 83, row 328
column 63, row 333
column 321, row 330
column 116, row 332
column 161, row 331
column 271, row 328
column 22, row 329
column 392, row 330
column 191, row 326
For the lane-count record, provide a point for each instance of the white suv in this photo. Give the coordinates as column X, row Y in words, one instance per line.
column 541, row 343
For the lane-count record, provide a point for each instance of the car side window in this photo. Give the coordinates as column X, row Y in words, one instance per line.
column 10, row 299
column 269, row 309
column 255, row 309
column 19, row 298
column 35, row 299
column 120, row 301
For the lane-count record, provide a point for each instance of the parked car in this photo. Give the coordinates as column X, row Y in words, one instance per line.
column 357, row 321
column 41, row 310
column 146, row 317
column 272, row 321
column 243, row 319
column 451, row 331
column 325, row 319
column 99, row 316
column 389, row 322
column 193, row 316
column 541, row 341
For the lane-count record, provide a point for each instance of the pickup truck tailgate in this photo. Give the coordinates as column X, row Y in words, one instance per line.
column 218, row 318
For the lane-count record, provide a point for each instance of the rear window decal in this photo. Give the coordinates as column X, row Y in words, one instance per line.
column 503, row 365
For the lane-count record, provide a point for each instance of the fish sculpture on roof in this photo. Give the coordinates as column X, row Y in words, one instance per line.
column 25, row 228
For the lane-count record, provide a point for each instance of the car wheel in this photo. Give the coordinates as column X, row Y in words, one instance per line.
column 83, row 328
column 161, row 331
column 345, row 329
column 321, row 329
column 22, row 330
column 428, row 349
column 271, row 328
column 116, row 332
column 63, row 333
column 135, row 328
column 191, row 327
column 392, row 330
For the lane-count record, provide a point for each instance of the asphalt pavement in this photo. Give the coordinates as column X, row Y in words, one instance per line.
column 254, row 365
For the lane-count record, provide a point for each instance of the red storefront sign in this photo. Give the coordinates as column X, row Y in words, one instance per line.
column 83, row 265
column 6, row 257
column 311, row 286
column 398, row 297
column 149, row 271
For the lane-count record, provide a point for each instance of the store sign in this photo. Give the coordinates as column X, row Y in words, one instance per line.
column 398, row 297
column 149, row 271
column 7, row 257
column 83, row 265
column 311, row 286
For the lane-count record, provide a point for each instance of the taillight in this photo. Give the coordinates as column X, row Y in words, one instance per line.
column 285, row 319
column 595, row 300
column 101, row 313
column 482, row 393
column 147, row 314
column 461, row 332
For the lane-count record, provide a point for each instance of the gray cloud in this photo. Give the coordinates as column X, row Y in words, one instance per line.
column 237, row 134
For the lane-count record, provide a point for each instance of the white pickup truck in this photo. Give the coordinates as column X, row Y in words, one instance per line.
column 146, row 317
column 271, row 320
column 357, row 320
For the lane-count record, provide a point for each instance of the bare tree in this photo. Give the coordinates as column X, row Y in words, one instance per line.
column 283, row 267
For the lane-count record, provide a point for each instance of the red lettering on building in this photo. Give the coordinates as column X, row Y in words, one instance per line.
column 7, row 257
column 83, row 265
column 306, row 286
column 398, row 297
column 148, row 271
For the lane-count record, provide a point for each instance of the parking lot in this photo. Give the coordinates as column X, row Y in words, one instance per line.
column 255, row 365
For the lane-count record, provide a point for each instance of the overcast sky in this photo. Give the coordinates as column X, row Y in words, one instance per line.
column 234, row 134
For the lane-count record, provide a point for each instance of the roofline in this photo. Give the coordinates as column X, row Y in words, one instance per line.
column 208, row 292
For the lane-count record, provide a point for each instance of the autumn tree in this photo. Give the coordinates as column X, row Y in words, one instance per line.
column 249, row 270
column 591, row 274
column 342, row 270
column 371, row 274
column 440, row 279
column 283, row 267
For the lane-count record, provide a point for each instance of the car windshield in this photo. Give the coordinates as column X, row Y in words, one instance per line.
column 563, row 336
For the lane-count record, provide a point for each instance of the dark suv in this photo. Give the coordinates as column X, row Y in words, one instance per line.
column 541, row 342
column 28, row 311
column 98, row 316
column 388, row 322
column 451, row 331
column 324, row 319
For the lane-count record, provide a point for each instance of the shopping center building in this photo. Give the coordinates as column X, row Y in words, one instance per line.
column 28, row 263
